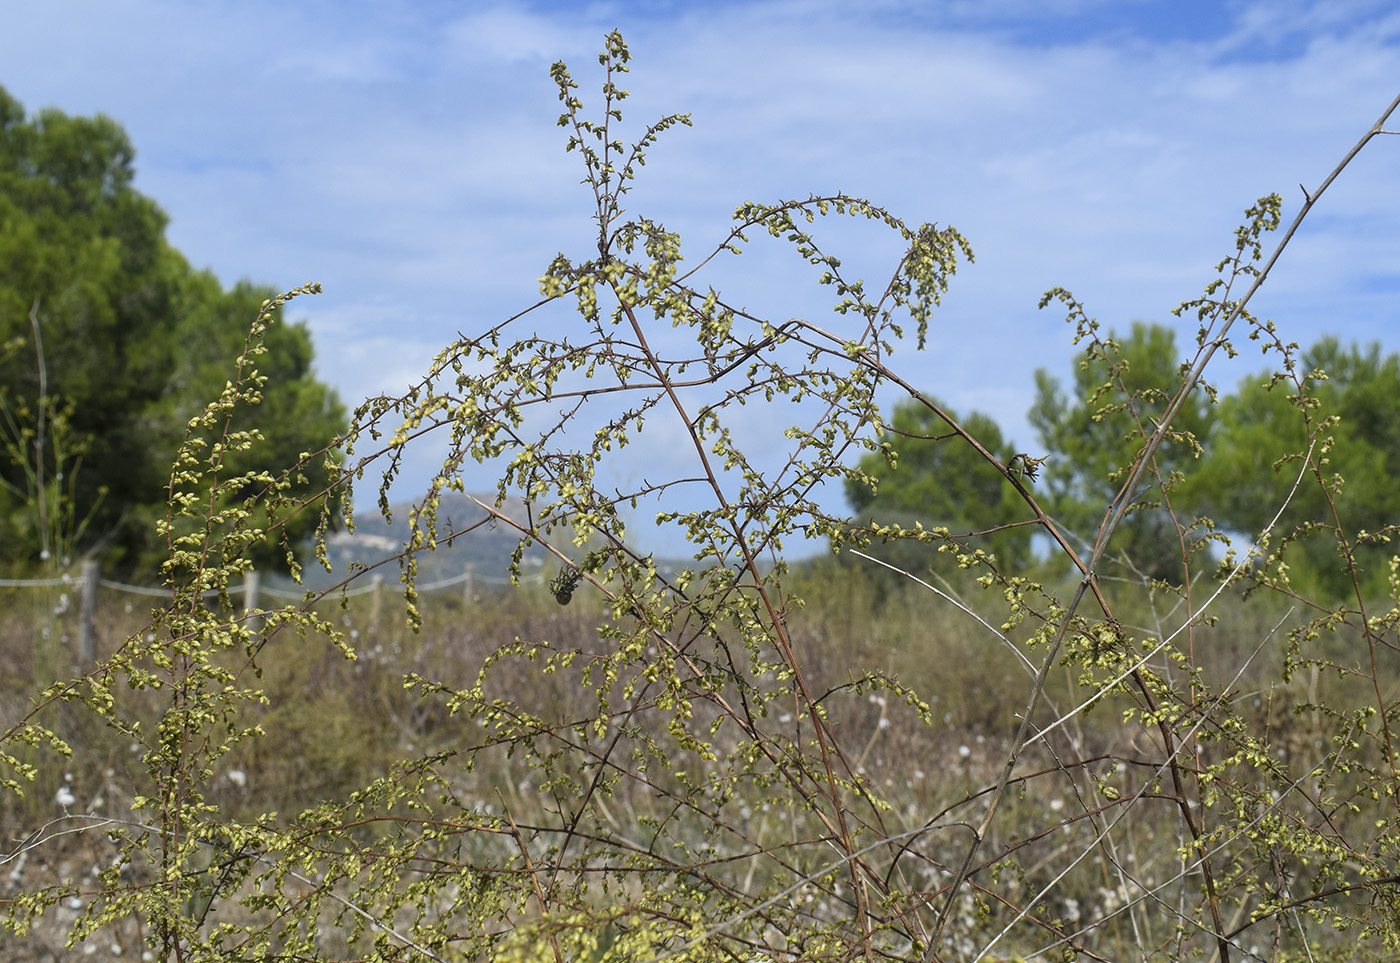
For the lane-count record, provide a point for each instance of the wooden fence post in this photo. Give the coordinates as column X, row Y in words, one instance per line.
column 252, row 582
column 376, row 582
column 87, row 615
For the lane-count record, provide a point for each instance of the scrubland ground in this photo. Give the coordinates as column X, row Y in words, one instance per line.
column 333, row 725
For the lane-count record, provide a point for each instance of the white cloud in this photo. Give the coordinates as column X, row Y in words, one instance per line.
column 509, row 34
column 409, row 160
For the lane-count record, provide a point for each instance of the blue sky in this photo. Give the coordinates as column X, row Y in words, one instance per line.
column 405, row 155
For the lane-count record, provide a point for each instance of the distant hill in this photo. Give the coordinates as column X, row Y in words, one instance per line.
column 485, row 550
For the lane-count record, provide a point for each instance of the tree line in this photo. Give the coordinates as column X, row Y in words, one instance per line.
column 1231, row 461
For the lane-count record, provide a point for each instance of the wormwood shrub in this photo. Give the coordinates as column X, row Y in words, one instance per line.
column 675, row 778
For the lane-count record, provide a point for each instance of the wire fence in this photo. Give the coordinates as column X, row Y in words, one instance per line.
column 77, row 581
column 376, row 583
column 251, row 591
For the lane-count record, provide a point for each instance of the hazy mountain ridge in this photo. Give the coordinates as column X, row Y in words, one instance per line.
column 485, row 549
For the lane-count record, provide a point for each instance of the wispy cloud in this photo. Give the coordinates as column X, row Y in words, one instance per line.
column 407, row 157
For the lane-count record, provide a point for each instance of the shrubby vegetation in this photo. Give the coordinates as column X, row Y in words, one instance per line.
column 740, row 760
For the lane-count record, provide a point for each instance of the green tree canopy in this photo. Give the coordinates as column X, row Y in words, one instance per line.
column 1095, row 432
column 1346, row 407
column 931, row 475
column 134, row 341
